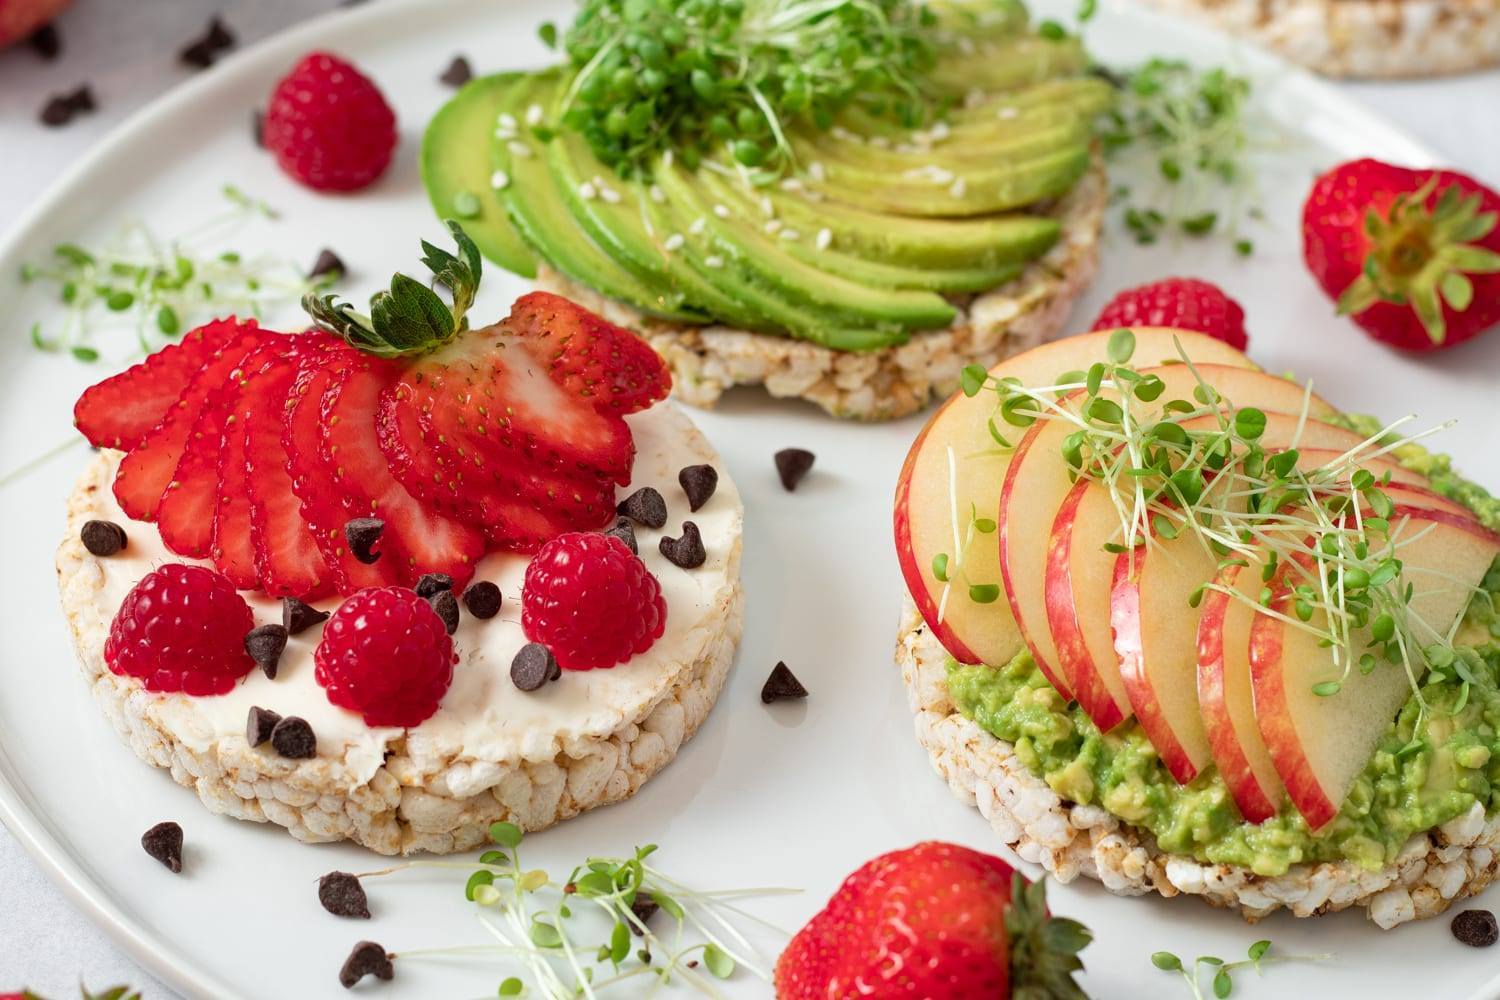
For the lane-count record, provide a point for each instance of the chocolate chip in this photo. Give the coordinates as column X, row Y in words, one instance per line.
column 644, row 506
column 686, row 551
column 57, row 111
column 367, row 959
column 299, row 617
column 81, row 99
column 343, row 896
column 622, row 530
column 202, row 52
column 446, row 606
column 46, row 42
column 164, row 843
column 533, row 666
column 328, row 262
column 258, row 127
column 293, row 738
column 102, row 538
column 259, row 724
column 791, row 465
column 483, row 600
column 644, row 908
column 265, row 644
column 1475, row 928
column 781, row 685
column 458, row 72
column 219, row 35
column 199, row 55
column 362, row 533
column 433, row 583
column 699, row 483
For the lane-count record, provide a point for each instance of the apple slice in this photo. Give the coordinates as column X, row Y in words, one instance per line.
column 1038, row 482
column 1319, row 745
column 952, row 467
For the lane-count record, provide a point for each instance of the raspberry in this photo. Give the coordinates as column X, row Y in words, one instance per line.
column 386, row 655
column 328, row 126
column 1185, row 303
column 182, row 628
column 591, row 601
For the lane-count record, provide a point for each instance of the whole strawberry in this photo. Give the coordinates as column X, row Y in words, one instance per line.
column 1412, row 255
column 591, row 601
column 1183, row 303
column 328, row 126
column 934, row 920
column 386, row 655
column 181, row 628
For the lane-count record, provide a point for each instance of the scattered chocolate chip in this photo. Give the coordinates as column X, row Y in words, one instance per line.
column 60, row 109
column 294, row 739
column 199, row 55
column 446, row 606
column 625, row 533
column 102, row 538
column 46, row 42
column 297, row 616
column 328, row 262
column 203, row 52
column 219, row 35
column 781, row 685
column 686, row 551
column 458, row 72
column 258, row 127
column 699, row 483
column 533, row 666
column 433, row 583
column 343, row 896
column 367, row 959
column 644, row 506
column 259, row 724
column 362, row 533
column 483, row 600
column 644, row 908
column 265, row 644
column 791, row 465
column 1476, row 928
column 82, row 99
column 164, row 843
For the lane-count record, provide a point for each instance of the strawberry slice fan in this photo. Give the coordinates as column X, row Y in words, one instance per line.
column 255, row 449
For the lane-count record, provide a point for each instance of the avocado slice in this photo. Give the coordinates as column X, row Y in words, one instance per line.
column 1008, row 64
column 455, row 163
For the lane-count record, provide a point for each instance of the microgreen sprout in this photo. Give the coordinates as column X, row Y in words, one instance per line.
column 591, row 931
column 1221, row 985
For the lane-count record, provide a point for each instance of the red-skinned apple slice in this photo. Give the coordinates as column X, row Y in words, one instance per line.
column 1320, row 744
column 952, row 465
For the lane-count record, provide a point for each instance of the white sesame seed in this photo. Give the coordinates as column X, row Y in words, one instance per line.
column 666, row 158
column 766, row 208
column 508, row 121
column 714, row 261
column 610, row 195
column 587, row 191
column 534, row 115
column 699, row 224
column 772, row 227
column 974, row 98
column 722, row 211
column 674, row 242
column 790, row 235
column 519, row 149
column 814, row 196
column 658, row 195
column 939, row 132
column 499, row 180
column 824, row 239
column 1006, row 114
column 958, row 188
column 880, row 142
column 843, row 134
column 909, row 147
column 505, row 133
column 815, row 170
column 791, row 184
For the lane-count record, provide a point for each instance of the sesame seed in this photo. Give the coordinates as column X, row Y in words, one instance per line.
column 714, row 261
column 519, row 149
column 508, row 121
column 815, row 170
column 722, row 211
column 587, row 191
column 843, row 134
column 1006, row 114
column 505, row 133
column 880, row 142
column 958, row 188
column 772, row 227
column 791, row 184
column 939, row 132
column 534, row 115
column 824, row 239
column 666, row 158
column 790, row 234
column 766, row 208
column 658, row 195
column 699, row 224
column 674, row 242
column 610, row 195
column 499, row 180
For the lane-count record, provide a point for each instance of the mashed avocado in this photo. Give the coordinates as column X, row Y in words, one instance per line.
column 1415, row 780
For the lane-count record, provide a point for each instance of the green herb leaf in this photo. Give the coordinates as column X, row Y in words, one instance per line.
column 1166, row 961
column 510, row 987
column 717, row 961
column 984, row 593
column 506, row 834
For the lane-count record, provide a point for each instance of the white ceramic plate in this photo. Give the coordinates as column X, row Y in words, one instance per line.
column 795, row 795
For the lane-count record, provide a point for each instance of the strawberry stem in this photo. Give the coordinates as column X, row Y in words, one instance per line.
column 1043, row 948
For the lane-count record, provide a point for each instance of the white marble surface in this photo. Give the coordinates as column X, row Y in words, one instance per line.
column 127, row 51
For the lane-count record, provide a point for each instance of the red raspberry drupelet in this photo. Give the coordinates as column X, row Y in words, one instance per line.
column 591, row 601
column 182, row 628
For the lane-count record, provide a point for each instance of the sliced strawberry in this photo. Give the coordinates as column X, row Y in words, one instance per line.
column 146, row 472
column 121, row 410
column 422, row 538
column 185, row 514
column 287, row 559
column 611, row 368
column 312, row 481
column 233, row 548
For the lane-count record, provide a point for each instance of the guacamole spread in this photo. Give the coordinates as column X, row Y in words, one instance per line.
column 1424, row 772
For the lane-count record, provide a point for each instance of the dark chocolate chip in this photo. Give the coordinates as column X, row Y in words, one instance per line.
column 362, row 533
column 533, row 666
column 644, row 506
column 81, row 99
column 198, row 55
column 293, row 738
column 201, row 53
column 343, row 896
column 56, row 112
column 46, row 42
column 1475, row 928
column 686, row 551
column 259, row 724
column 699, row 483
column 265, row 644
column 366, row 959
column 328, row 262
column 458, row 72
column 622, row 530
column 297, row 616
column 483, row 600
column 446, row 606
column 792, row 464
column 164, row 843
column 102, row 538
column 218, row 35
column 644, row 908
column 432, row 583
column 781, row 685
column 258, row 127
